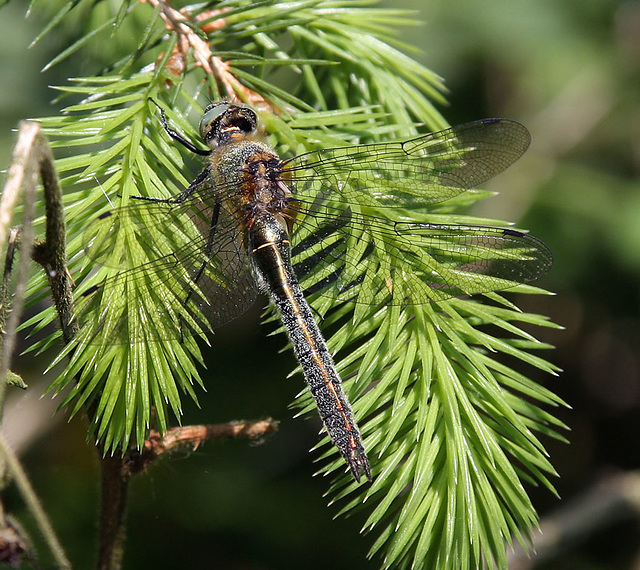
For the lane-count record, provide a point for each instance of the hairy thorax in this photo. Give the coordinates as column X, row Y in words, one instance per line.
column 251, row 170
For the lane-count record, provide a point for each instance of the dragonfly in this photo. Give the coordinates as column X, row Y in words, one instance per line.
column 350, row 223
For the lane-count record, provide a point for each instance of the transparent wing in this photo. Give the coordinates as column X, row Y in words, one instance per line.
column 189, row 272
column 414, row 173
column 347, row 256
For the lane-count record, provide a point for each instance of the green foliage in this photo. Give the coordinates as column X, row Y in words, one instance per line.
column 451, row 429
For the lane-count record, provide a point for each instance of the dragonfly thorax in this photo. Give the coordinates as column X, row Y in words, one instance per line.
column 251, row 173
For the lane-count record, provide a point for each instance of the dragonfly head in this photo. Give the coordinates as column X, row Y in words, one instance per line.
column 223, row 119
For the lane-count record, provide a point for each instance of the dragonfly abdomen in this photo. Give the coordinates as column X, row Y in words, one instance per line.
column 270, row 249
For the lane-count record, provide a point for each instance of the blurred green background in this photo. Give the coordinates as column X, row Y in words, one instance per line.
column 570, row 71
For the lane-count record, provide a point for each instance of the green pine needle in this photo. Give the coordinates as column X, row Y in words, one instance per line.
column 452, row 431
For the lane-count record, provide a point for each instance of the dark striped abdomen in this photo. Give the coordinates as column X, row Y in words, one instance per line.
column 269, row 247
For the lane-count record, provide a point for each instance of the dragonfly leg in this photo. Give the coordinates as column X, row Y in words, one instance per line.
column 185, row 193
column 176, row 136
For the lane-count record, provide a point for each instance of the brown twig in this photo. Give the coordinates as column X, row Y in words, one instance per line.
column 117, row 470
column 23, row 175
column 179, row 22
column 15, row 546
column 113, row 494
column 32, row 160
column 191, row 437
column 52, row 254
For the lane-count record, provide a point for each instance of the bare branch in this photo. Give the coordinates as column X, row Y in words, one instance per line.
column 23, row 174
column 31, row 159
column 178, row 22
column 191, row 437
column 52, row 254
column 117, row 470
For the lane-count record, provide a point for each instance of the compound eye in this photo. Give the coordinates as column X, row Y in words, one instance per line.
column 211, row 113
